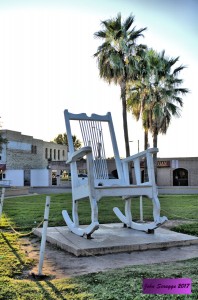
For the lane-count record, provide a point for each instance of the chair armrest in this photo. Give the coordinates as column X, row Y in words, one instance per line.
column 139, row 155
column 137, row 168
column 79, row 154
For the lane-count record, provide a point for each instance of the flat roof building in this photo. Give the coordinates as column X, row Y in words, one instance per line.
column 25, row 160
column 23, row 156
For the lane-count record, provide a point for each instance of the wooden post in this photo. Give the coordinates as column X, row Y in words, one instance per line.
column 44, row 234
column 1, row 201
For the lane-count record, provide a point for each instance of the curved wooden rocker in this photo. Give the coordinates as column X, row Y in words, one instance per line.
column 98, row 183
column 76, row 229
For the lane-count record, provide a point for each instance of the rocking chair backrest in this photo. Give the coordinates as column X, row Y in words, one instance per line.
column 98, row 183
column 92, row 135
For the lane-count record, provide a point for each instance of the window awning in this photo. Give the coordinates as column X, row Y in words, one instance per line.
column 2, row 167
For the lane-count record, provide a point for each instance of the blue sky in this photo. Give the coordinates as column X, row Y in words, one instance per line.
column 47, row 65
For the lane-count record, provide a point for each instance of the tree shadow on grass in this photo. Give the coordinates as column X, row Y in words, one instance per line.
column 44, row 291
column 14, row 251
column 55, row 290
column 48, row 292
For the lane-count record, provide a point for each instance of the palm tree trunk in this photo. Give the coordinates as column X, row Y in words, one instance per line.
column 124, row 116
column 155, row 135
column 125, row 126
column 145, row 139
column 145, row 162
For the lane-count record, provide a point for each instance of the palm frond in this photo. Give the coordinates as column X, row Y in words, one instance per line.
column 183, row 91
column 134, row 34
column 100, row 34
column 178, row 69
column 128, row 22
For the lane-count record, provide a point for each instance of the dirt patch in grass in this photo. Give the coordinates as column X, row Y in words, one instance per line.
column 61, row 264
column 173, row 223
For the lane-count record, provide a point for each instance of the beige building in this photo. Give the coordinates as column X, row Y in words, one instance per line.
column 175, row 171
column 178, row 171
column 25, row 160
column 181, row 171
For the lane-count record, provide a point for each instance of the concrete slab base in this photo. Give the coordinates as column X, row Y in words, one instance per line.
column 113, row 238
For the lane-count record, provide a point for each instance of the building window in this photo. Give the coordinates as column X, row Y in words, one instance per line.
column 63, row 153
column 46, row 153
column 50, row 154
column 58, row 154
column 34, row 149
column 54, row 153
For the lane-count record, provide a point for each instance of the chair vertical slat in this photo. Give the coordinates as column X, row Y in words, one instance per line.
column 92, row 131
column 92, row 136
column 87, row 136
column 103, row 155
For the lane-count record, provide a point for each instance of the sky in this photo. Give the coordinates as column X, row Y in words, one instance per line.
column 47, row 65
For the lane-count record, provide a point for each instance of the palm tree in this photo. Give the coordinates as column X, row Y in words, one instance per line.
column 61, row 139
column 137, row 95
column 159, row 94
column 167, row 96
column 117, row 57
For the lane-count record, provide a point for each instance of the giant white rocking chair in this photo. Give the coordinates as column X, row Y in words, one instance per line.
column 98, row 184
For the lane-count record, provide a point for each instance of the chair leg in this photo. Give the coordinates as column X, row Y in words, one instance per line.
column 128, row 211
column 75, row 213
column 74, row 225
column 94, row 210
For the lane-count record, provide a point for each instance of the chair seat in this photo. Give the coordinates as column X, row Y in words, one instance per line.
column 108, row 187
column 125, row 191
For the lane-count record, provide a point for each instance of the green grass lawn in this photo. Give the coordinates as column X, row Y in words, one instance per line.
column 24, row 213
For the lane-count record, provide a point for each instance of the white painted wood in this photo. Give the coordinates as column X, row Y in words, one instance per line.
column 99, row 185
column 141, row 210
column 76, row 229
column 44, row 235
column 78, row 154
column 120, row 215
